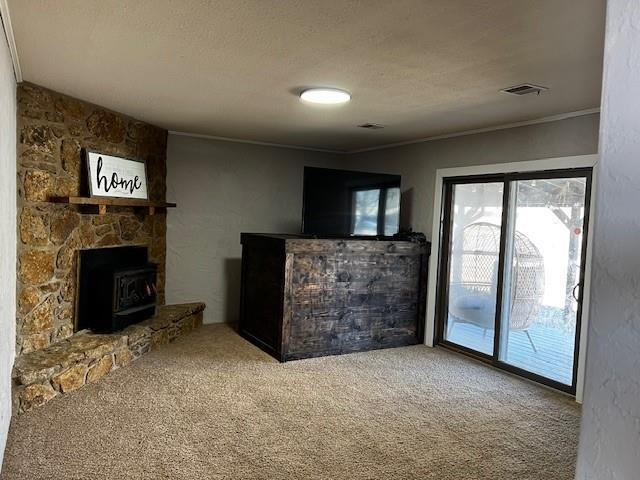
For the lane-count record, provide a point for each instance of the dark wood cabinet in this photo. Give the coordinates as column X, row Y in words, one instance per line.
column 305, row 297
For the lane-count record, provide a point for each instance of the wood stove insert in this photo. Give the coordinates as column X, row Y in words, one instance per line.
column 116, row 288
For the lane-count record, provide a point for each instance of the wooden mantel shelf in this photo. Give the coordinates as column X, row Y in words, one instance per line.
column 102, row 203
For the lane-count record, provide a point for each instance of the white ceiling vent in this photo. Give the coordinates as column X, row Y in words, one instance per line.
column 524, row 89
column 371, row 126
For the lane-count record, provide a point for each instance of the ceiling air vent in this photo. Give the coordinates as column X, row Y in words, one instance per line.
column 524, row 89
column 371, row 126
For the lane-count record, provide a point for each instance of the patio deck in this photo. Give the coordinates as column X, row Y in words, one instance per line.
column 553, row 359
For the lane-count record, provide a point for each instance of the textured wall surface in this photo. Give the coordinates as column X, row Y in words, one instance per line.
column 52, row 130
column 418, row 163
column 222, row 189
column 610, row 434
column 225, row 188
column 7, row 234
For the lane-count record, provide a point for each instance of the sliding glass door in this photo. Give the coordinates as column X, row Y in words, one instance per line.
column 476, row 216
column 512, row 268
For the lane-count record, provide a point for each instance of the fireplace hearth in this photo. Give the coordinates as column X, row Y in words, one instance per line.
column 116, row 288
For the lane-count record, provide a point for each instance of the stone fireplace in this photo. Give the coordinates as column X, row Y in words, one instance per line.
column 52, row 131
column 55, row 354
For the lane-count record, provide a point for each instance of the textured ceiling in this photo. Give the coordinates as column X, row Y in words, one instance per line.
column 232, row 68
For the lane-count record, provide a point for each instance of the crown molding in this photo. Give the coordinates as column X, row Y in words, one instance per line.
column 552, row 118
column 255, row 142
column 11, row 41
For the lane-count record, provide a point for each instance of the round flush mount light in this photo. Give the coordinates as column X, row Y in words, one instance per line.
column 325, row 96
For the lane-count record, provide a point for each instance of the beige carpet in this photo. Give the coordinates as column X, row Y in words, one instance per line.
column 212, row 406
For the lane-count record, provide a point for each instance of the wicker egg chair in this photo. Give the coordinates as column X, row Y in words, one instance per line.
column 473, row 282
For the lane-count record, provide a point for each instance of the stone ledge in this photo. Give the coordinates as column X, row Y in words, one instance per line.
column 86, row 357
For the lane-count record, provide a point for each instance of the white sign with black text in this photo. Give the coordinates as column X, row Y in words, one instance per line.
column 116, row 177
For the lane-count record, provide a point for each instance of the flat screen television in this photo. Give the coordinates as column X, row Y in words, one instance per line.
column 349, row 203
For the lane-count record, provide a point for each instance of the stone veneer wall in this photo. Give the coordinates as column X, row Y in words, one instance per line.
column 52, row 130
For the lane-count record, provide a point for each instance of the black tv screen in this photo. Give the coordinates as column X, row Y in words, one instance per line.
column 346, row 203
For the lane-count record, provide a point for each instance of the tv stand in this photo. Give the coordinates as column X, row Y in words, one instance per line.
column 306, row 297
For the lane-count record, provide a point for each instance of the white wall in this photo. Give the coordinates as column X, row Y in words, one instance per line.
column 610, row 433
column 222, row 189
column 7, row 236
column 417, row 163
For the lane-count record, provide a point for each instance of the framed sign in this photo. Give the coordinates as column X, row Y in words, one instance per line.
column 111, row 176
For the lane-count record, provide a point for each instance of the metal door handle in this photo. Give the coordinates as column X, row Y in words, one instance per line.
column 573, row 292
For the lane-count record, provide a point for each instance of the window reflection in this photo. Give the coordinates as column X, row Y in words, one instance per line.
column 367, row 206
column 392, row 212
column 366, row 212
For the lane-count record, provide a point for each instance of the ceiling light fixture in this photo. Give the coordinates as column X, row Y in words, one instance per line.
column 325, row 96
